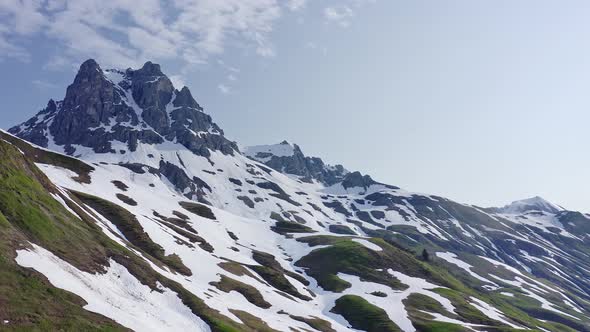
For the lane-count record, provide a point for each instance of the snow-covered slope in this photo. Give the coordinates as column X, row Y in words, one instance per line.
column 530, row 204
column 274, row 240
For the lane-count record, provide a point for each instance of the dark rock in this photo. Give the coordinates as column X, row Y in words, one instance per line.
column 308, row 168
column 235, row 181
column 246, row 201
column 198, row 209
column 356, row 179
column 338, row 207
column 143, row 108
column 364, row 216
column 341, row 229
column 126, row 199
column 189, row 188
column 278, row 192
column 378, row 214
column 120, row 185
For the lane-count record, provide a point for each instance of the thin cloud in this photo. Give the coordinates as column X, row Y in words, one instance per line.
column 224, row 89
column 295, row 5
column 124, row 34
column 340, row 15
column 177, row 81
column 189, row 30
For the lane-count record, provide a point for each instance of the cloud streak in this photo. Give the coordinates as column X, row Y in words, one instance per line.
column 122, row 32
column 125, row 33
column 340, row 15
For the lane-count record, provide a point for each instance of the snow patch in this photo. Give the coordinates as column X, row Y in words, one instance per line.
column 116, row 294
column 368, row 244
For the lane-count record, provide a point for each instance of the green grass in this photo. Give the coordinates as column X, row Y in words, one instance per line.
column 253, row 322
column 32, row 304
column 422, row 302
column 418, row 305
column 251, row 294
column 29, row 213
column 3, row 221
column 315, row 322
column 272, row 272
column 346, row 256
column 464, row 309
column 438, row 327
column 47, row 157
column 362, row 315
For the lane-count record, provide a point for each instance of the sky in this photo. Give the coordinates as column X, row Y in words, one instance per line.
column 483, row 102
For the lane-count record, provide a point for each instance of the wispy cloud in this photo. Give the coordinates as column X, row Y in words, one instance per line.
column 177, row 81
column 125, row 33
column 295, row 5
column 224, row 89
column 122, row 32
column 343, row 13
column 340, row 15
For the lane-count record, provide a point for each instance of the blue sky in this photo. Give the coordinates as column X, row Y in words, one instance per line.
column 481, row 101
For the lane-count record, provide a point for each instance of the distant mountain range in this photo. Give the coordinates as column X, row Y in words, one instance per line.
column 124, row 206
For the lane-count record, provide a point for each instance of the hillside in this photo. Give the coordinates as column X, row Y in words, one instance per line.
column 131, row 209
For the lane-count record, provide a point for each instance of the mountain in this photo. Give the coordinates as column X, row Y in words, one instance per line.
column 123, row 206
column 115, row 111
column 288, row 158
column 532, row 204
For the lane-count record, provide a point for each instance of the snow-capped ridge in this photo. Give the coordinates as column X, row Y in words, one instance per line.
column 288, row 158
column 536, row 203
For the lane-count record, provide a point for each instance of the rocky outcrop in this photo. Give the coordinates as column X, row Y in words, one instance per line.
column 132, row 107
column 287, row 158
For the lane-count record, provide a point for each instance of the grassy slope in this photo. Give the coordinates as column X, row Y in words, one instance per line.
column 362, row 315
column 28, row 213
column 345, row 256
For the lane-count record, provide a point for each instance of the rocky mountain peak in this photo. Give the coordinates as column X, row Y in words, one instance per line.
column 150, row 69
column 356, row 179
column 88, row 67
column 185, row 98
column 104, row 108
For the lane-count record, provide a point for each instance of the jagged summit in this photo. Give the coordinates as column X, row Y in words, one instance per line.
column 114, row 111
column 152, row 69
column 536, row 203
column 288, row 158
column 264, row 153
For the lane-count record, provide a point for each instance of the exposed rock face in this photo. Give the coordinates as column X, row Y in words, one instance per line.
column 133, row 106
column 191, row 188
column 356, row 179
column 287, row 158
